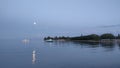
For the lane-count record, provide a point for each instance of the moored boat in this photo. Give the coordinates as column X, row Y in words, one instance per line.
column 49, row 40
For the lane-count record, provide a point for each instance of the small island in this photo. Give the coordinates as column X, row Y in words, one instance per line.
column 106, row 37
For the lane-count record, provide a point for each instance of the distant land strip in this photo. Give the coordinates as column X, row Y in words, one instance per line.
column 106, row 37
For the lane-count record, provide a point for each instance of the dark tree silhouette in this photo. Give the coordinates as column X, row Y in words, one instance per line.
column 107, row 36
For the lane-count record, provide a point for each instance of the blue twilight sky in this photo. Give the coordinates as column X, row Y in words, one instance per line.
column 58, row 17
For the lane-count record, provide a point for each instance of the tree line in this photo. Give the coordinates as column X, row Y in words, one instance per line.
column 87, row 37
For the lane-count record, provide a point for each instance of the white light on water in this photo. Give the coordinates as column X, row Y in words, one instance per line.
column 33, row 57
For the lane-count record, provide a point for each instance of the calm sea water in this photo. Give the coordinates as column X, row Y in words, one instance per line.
column 16, row 54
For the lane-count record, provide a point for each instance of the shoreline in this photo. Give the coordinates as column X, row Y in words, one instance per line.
column 96, row 41
column 106, row 37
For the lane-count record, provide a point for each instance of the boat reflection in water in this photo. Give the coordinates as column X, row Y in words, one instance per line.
column 33, row 56
column 25, row 41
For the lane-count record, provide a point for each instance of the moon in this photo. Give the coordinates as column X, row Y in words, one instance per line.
column 34, row 23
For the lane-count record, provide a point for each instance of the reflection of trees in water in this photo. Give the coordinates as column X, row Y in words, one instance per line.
column 87, row 44
column 118, row 43
column 108, row 45
column 58, row 43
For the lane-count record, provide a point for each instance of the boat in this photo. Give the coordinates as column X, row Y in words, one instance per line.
column 49, row 40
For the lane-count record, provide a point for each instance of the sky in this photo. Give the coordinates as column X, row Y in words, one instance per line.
column 58, row 17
